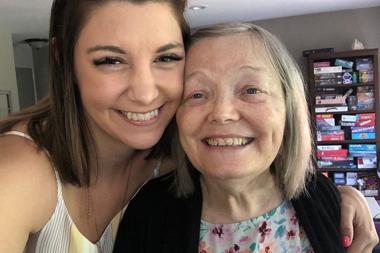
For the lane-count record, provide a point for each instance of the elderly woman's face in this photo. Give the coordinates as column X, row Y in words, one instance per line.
column 232, row 117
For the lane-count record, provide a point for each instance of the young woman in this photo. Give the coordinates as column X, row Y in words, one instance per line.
column 247, row 183
column 69, row 165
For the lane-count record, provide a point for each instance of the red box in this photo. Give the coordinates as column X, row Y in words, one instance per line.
column 332, row 153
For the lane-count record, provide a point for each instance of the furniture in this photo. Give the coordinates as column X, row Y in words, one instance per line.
column 344, row 103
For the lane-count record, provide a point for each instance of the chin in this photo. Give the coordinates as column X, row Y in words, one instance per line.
column 147, row 142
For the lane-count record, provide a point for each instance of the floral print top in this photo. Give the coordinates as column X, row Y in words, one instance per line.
column 276, row 231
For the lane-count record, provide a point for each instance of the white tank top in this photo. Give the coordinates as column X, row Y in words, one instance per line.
column 60, row 234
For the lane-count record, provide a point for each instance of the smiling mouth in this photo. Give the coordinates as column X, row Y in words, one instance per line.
column 140, row 117
column 228, row 142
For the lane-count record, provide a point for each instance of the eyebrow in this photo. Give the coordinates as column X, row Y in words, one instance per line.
column 118, row 50
column 169, row 46
column 256, row 69
column 113, row 49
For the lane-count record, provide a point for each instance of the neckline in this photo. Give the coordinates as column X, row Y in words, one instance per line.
column 263, row 216
column 118, row 217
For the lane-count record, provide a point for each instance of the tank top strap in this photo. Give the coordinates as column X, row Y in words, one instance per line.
column 27, row 136
column 18, row 133
column 59, row 186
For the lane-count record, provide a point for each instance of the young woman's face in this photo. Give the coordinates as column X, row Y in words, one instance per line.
column 232, row 117
column 129, row 61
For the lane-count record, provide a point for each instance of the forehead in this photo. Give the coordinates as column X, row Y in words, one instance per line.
column 122, row 20
column 228, row 51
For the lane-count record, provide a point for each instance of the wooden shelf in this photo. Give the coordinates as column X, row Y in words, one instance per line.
column 345, row 170
column 348, row 112
column 317, row 90
column 347, row 142
column 345, row 85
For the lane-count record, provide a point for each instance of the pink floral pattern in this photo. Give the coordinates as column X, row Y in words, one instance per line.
column 276, row 231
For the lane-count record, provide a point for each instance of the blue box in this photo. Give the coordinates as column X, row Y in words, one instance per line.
column 363, row 136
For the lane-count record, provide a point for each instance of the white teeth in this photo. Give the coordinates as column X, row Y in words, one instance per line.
column 140, row 116
column 227, row 141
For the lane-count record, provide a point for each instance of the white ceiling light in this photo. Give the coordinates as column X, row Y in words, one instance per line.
column 197, row 7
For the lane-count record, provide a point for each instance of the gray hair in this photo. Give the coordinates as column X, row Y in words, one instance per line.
column 293, row 165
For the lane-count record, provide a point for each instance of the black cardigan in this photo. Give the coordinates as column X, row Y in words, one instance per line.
column 156, row 221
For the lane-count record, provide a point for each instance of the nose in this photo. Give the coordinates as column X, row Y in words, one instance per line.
column 142, row 88
column 223, row 111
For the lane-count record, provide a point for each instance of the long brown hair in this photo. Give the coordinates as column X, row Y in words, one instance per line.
column 57, row 123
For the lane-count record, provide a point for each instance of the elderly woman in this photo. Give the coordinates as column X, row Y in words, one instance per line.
column 246, row 183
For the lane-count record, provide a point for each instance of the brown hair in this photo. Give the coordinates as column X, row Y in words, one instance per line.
column 57, row 123
column 292, row 166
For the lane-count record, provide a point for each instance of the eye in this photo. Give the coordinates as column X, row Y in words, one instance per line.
column 108, row 61
column 167, row 58
column 197, row 95
column 251, row 91
column 195, row 98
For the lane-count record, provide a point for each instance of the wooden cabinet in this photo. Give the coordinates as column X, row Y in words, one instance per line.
column 344, row 102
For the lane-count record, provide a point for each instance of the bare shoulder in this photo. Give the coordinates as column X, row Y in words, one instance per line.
column 27, row 185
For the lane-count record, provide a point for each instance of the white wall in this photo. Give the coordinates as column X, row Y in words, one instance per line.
column 333, row 29
column 7, row 67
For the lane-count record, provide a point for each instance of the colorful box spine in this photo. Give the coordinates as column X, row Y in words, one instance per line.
column 332, row 153
column 363, row 136
column 370, row 129
column 361, row 147
column 325, row 70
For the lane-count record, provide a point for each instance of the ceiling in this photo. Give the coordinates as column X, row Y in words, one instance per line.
column 30, row 18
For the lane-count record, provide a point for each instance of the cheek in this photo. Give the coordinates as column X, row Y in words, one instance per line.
column 99, row 89
column 172, row 82
column 186, row 124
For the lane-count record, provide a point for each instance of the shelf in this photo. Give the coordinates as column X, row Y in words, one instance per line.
column 346, row 142
column 347, row 54
column 345, row 170
column 316, row 89
column 348, row 112
column 344, row 85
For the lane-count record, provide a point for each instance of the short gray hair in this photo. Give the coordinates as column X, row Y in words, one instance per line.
column 293, row 165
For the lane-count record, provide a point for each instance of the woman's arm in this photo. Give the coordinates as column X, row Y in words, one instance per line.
column 357, row 227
